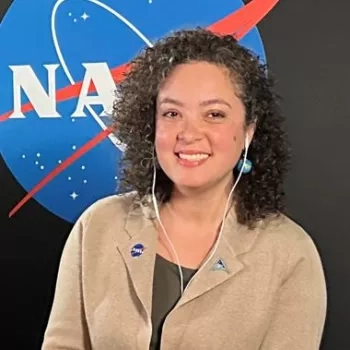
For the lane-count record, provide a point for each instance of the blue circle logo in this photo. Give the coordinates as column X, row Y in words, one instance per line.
column 137, row 250
column 58, row 71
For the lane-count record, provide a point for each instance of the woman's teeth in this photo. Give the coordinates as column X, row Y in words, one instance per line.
column 193, row 157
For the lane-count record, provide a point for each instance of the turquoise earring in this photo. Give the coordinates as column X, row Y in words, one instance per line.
column 247, row 166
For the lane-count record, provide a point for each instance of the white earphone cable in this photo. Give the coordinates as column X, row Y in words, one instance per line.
column 155, row 204
column 227, row 206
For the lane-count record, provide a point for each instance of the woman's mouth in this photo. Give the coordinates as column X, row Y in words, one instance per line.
column 191, row 159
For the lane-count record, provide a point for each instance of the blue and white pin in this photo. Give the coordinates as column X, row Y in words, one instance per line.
column 137, row 250
column 219, row 265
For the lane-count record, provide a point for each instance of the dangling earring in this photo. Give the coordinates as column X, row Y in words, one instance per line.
column 246, row 165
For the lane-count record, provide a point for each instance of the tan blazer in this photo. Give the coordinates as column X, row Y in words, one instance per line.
column 271, row 296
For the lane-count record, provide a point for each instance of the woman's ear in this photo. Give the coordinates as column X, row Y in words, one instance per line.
column 250, row 132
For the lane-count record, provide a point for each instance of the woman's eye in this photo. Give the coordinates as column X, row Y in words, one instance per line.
column 170, row 114
column 216, row 115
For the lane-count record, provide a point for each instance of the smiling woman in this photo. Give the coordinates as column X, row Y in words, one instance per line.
column 187, row 84
column 201, row 120
column 203, row 235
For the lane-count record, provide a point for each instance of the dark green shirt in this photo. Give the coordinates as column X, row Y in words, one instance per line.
column 166, row 293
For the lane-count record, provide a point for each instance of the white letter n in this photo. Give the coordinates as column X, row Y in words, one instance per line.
column 43, row 103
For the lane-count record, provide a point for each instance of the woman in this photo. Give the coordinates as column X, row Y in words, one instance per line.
column 200, row 255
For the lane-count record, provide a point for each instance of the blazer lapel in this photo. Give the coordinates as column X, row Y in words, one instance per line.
column 138, row 252
column 225, row 263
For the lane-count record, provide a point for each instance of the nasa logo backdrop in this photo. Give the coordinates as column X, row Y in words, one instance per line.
column 59, row 63
column 58, row 87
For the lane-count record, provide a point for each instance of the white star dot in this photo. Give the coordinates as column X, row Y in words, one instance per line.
column 70, row 14
column 75, row 20
column 85, row 16
column 115, row 177
column 69, row 178
column 59, row 162
column 73, row 120
column 23, row 156
column 83, row 167
column 150, row 1
column 74, row 147
column 85, row 181
column 36, row 163
column 74, row 195
column 38, row 155
column 42, row 167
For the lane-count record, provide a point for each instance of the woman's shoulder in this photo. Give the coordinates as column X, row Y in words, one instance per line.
column 284, row 226
column 118, row 204
column 109, row 213
column 283, row 235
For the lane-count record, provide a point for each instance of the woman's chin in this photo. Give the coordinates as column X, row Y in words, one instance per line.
column 192, row 185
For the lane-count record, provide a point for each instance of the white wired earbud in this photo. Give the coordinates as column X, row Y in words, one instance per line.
column 246, row 142
column 227, row 206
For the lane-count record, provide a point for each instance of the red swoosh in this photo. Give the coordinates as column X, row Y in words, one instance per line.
column 238, row 24
column 242, row 21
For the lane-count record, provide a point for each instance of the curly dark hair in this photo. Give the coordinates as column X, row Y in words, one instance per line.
column 259, row 193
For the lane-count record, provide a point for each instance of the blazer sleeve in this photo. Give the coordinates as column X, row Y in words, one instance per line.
column 67, row 328
column 300, row 312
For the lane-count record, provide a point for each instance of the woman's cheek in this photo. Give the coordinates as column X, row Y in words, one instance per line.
column 164, row 137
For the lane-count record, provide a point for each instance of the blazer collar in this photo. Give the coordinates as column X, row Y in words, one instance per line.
column 239, row 237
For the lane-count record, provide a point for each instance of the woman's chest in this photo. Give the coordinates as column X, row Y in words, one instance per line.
column 221, row 309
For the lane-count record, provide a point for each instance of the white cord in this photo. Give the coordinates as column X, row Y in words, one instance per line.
column 155, row 204
column 227, row 206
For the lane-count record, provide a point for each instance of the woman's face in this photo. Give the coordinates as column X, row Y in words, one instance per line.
column 200, row 126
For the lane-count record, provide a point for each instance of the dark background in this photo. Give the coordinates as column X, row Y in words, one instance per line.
column 308, row 51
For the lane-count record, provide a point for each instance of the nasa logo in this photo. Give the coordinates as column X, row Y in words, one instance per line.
column 58, row 73
column 137, row 250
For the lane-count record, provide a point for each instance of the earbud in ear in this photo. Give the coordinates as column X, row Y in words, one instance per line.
column 246, row 141
column 244, row 165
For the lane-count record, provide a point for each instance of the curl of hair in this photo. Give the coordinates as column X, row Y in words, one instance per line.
column 260, row 193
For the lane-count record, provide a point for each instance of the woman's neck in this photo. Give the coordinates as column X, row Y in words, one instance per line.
column 200, row 207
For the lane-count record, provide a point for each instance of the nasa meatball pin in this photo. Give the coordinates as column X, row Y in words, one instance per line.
column 137, row 250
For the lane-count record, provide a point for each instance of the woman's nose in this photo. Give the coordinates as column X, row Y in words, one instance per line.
column 190, row 132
